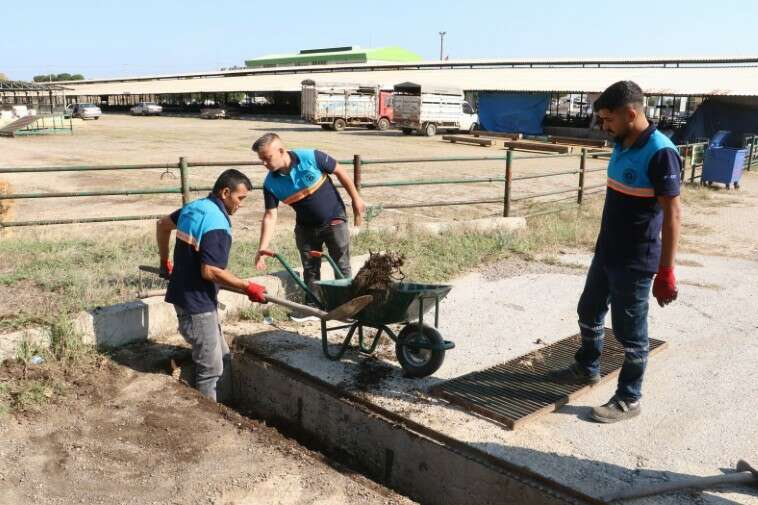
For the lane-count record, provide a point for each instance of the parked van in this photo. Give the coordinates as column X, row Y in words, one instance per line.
column 426, row 109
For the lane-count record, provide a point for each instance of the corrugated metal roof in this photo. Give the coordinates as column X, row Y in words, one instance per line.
column 735, row 81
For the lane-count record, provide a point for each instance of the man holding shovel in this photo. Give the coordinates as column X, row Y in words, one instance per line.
column 201, row 254
column 300, row 178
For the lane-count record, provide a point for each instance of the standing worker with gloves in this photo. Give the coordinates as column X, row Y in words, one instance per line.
column 300, row 178
column 642, row 203
column 201, row 255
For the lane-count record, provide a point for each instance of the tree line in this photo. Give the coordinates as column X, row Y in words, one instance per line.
column 58, row 77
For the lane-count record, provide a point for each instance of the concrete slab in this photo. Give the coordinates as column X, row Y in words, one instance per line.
column 700, row 394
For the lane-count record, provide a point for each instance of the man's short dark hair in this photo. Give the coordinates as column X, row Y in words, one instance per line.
column 231, row 179
column 264, row 141
column 620, row 94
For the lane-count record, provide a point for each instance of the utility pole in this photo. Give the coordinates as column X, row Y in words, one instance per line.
column 442, row 45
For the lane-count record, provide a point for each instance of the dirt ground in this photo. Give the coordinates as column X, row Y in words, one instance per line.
column 121, row 139
column 128, row 433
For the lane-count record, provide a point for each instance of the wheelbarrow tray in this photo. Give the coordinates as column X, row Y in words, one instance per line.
column 400, row 304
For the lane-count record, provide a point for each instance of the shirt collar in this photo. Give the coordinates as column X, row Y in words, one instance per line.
column 294, row 163
column 213, row 198
column 644, row 137
column 641, row 139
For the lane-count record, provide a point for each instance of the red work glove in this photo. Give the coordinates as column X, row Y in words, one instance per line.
column 664, row 286
column 166, row 269
column 256, row 292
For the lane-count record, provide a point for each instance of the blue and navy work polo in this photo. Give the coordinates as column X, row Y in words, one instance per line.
column 203, row 235
column 308, row 188
column 630, row 233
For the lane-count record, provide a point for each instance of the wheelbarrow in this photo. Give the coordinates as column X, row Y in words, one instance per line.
column 419, row 347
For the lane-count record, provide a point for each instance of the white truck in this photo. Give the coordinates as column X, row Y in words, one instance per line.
column 336, row 106
column 426, row 109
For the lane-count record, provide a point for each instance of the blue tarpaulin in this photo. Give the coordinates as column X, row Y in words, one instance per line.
column 718, row 114
column 512, row 112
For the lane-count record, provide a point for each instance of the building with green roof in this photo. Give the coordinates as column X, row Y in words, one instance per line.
column 335, row 56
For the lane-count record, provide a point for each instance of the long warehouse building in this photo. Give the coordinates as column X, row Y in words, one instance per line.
column 675, row 87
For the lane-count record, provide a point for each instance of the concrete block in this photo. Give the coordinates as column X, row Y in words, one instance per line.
column 117, row 325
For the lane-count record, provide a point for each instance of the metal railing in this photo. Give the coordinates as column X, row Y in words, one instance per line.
column 692, row 159
column 185, row 188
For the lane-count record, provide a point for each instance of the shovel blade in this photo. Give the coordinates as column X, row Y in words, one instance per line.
column 349, row 309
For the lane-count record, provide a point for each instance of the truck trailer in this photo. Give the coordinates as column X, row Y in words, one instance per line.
column 336, row 106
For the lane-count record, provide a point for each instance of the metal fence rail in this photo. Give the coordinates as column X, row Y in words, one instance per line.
column 692, row 159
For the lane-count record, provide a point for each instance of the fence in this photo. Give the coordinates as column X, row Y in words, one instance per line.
column 692, row 155
column 359, row 164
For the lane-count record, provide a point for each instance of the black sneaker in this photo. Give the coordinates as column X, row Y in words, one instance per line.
column 616, row 410
column 575, row 375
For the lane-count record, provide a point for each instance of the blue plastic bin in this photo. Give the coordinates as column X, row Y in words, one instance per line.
column 723, row 164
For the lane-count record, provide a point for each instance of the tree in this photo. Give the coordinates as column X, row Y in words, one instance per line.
column 3, row 77
column 58, row 77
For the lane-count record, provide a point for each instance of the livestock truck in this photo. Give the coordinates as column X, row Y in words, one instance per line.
column 337, row 106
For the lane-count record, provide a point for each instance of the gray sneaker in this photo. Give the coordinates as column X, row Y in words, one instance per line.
column 616, row 410
column 574, row 374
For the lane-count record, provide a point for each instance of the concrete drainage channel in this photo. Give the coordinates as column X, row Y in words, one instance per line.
column 413, row 460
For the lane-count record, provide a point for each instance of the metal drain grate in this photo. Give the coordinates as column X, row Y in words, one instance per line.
column 520, row 389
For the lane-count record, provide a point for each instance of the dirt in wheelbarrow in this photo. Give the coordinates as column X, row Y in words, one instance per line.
column 378, row 274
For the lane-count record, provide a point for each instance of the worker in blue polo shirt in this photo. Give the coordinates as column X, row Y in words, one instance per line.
column 201, row 254
column 300, row 178
column 638, row 240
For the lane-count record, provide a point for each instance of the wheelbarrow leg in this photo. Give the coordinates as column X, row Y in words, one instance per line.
column 374, row 343
column 345, row 343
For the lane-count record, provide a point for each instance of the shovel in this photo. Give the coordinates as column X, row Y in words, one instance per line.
column 743, row 474
column 341, row 313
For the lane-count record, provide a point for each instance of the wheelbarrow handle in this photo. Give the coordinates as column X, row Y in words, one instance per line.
column 295, row 277
column 337, row 272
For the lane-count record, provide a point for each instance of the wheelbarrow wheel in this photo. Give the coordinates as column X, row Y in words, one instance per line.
column 418, row 362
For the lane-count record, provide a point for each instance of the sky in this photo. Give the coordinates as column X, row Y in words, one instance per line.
column 114, row 39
